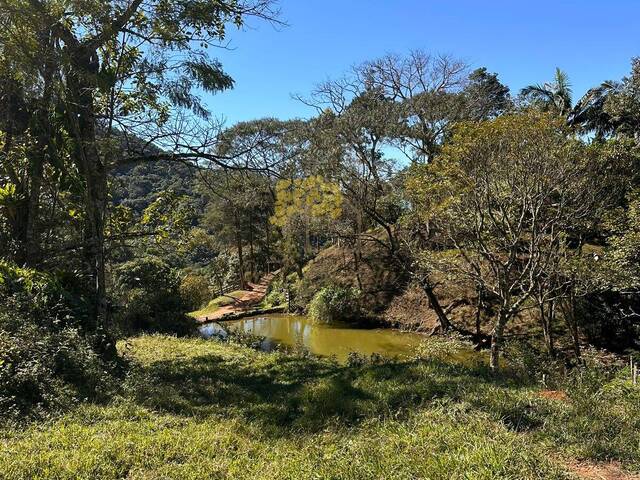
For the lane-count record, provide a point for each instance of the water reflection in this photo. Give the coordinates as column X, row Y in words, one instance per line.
column 213, row 330
column 326, row 339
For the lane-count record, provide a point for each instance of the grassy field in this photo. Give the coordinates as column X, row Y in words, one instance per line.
column 194, row 409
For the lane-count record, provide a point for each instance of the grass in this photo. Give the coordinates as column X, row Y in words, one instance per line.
column 194, row 409
column 216, row 303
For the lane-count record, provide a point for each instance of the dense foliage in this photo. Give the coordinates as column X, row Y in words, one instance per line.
column 148, row 291
column 335, row 303
column 48, row 359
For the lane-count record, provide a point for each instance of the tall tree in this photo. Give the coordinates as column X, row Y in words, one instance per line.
column 427, row 88
column 555, row 96
column 485, row 96
column 623, row 105
column 589, row 113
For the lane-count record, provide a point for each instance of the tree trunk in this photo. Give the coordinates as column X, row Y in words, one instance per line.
column 497, row 338
column 299, row 271
column 546, row 320
column 357, row 251
column 267, row 230
column 356, row 264
column 41, row 156
column 572, row 323
column 11, row 94
column 32, row 246
column 307, row 240
column 479, row 308
column 251, row 250
column 81, row 87
column 434, row 303
column 240, row 254
column 393, row 242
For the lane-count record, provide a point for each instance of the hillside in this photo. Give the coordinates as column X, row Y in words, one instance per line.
column 393, row 297
column 396, row 301
column 138, row 185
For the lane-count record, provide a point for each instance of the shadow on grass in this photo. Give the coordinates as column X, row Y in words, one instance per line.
column 297, row 394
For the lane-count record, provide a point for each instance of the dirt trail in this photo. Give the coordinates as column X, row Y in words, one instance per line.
column 247, row 299
column 600, row 471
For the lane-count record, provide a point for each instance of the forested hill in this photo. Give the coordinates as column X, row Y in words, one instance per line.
column 137, row 185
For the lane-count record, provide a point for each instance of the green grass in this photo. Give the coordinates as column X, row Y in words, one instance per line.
column 194, row 409
column 216, row 303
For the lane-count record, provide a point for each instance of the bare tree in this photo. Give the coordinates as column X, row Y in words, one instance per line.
column 428, row 88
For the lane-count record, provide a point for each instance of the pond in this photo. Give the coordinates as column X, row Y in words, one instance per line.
column 337, row 339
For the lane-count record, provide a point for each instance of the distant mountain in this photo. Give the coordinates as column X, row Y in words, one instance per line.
column 138, row 185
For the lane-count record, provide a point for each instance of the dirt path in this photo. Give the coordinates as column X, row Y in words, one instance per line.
column 247, row 299
column 600, row 471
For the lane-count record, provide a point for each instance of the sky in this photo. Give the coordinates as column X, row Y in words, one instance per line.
column 521, row 41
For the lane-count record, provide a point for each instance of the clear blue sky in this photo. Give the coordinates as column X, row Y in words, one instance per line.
column 521, row 41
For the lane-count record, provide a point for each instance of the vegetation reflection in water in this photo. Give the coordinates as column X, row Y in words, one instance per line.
column 327, row 339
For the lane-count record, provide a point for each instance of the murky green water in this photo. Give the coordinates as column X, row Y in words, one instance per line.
column 324, row 339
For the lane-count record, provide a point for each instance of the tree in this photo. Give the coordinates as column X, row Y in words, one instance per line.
column 623, row 105
column 485, row 96
column 303, row 206
column 554, row 96
column 241, row 199
column 427, row 89
column 346, row 142
column 505, row 194
column 148, row 290
column 117, row 68
column 405, row 102
column 611, row 108
column 237, row 214
column 590, row 114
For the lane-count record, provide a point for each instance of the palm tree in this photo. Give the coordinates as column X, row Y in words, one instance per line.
column 590, row 114
column 552, row 96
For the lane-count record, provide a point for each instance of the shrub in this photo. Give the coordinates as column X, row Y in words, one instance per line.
column 335, row 303
column 194, row 290
column 44, row 296
column 148, row 290
column 277, row 293
column 527, row 359
column 41, row 371
column 48, row 355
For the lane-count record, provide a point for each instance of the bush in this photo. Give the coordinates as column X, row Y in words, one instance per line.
column 148, row 290
column 335, row 303
column 194, row 290
column 277, row 293
column 526, row 358
column 48, row 354
column 44, row 296
column 41, row 371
